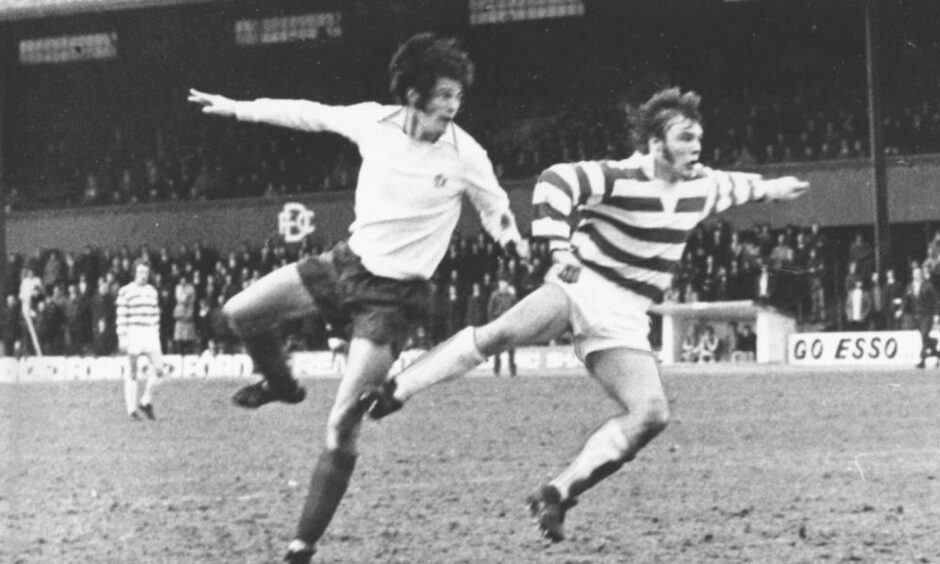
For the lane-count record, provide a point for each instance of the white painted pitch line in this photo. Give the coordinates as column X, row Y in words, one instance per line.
column 854, row 457
column 861, row 473
column 895, row 452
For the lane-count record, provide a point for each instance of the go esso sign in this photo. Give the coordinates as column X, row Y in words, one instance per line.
column 862, row 348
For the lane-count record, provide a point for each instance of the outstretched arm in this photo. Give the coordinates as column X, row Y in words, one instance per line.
column 492, row 203
column 213, row 104
column 737, row 188
column 295, row 114
column 785, row 188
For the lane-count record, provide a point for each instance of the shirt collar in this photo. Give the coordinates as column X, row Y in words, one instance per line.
column 400, row 119
column 644, row 162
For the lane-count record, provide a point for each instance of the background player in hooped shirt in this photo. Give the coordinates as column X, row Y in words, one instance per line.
column 417, row 165
column 635, row 217
column 137, row 321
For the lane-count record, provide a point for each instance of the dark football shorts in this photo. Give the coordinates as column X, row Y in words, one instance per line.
column 352, row 299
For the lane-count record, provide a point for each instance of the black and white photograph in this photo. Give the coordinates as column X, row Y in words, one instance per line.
column 469, row 281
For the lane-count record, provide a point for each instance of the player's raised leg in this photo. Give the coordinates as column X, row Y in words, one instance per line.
column 367, row 366
column 255, row 314
column 542, row 315
column 631, row 378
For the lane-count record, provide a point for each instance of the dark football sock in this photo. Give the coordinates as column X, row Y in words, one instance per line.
column 327, row 487
column 267, row 353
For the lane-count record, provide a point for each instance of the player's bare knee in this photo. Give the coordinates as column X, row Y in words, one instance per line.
column 230, row 314
column 240, row 320
column 342, row 430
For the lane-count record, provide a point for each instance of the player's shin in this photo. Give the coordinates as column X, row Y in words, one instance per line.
column 146, row 398
column 615, row 443
column 327, row 487
column 130, row 394
column 449, row 360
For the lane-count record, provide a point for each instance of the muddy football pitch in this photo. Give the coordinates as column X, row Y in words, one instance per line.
column 758, row 465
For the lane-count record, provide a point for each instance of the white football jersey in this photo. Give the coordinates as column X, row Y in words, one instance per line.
column 409, row 193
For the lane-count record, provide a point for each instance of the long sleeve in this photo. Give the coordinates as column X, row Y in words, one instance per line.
column 305, row 115
column 489, row 198
column 559, row 190
column 120, row 320
column 733, row 189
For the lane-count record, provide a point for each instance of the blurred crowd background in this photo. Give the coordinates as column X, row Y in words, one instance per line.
column 782, row 82
column 70, row 296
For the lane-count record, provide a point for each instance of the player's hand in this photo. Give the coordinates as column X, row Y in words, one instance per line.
column 213, row 104
column 785, row 188
column 568, row 266
column 518, row 249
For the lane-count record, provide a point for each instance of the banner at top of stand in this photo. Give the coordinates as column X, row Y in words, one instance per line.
column 30, row 9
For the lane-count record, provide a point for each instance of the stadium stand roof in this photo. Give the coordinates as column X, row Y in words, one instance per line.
column 32, row 9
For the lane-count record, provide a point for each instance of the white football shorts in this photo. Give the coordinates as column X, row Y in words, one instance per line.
column 144, row 343
column 603, row 314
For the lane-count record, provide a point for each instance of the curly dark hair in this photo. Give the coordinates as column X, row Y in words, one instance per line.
column 422, row 60
column 651, row 119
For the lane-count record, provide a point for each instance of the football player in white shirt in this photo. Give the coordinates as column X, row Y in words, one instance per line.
column 417, row 165
column 635, row 217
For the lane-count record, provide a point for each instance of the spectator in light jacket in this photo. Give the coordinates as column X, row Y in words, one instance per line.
column 857, row 307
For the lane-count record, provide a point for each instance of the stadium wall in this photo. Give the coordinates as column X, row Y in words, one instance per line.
column 540, row 361
column 805, row 350
column 841, row 196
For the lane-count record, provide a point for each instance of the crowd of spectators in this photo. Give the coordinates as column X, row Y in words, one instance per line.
column 792, row 268
column 184, row 157
column 798, row 270
column 69, row 297
column 889, row 303
column 702, row 343
column 799, row 96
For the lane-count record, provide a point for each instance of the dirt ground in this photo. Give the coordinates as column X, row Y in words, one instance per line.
column 757, row 466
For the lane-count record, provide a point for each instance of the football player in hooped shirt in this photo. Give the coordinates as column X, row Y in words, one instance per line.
column 635, row 217
column 417, row 165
